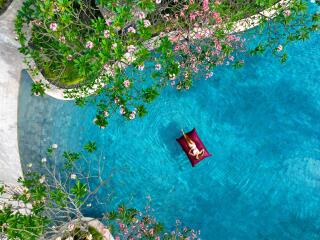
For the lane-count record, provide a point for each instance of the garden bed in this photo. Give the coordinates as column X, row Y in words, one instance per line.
column 68, row 77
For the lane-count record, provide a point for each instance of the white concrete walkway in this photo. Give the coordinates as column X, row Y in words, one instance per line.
column 10, row 71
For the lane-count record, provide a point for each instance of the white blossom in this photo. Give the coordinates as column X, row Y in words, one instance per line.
column 42, row 179
column 172, row 76
column 129, row 57
column 71, row 227
column 54, row 146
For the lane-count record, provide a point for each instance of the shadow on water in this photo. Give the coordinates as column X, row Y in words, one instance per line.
column 25, row 153
column 168, row 134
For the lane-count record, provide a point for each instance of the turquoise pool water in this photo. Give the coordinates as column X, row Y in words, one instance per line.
column 261, row 123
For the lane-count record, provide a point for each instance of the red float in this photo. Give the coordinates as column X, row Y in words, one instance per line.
column 193, row 147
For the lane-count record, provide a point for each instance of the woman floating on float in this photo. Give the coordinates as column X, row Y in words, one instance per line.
column 194, row 151
column 193, row 147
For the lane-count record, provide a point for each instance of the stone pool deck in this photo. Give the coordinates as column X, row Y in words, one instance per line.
column 11, row 64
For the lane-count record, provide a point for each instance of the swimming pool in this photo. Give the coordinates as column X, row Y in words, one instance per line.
column 261, row 123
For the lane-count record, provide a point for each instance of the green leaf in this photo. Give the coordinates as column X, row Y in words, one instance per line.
column 90, row 147
column 79, row 190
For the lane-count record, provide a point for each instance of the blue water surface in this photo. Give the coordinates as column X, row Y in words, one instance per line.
column 261, row 123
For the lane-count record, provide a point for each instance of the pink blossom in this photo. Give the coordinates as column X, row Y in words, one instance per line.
column 193, row 16
column 215, row 14
column 106, row 33
column 62, row 39
column 195, row 69
column 218, row 20
column 89, row 44
column 287, row 13
column 205, row 5
column 198, row 35
column 126, row 83
column 141, row 67
column 132, row 115
column 54, row 26
column 280, row 48
column 151, row 231
column 131, row 30
column 108, row 22
column 141, row 15
column 146, row 23
column 231, row 58
column 158, row 1
column 209, row 75
column 175, row 38
column 131, row 48
column 122, row 112
column 109, row 70
column 158, row 66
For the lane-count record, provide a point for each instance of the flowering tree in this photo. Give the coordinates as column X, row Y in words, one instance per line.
column 48, row 203
column 126, row 51
column 51, row 198
column 130, row 224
